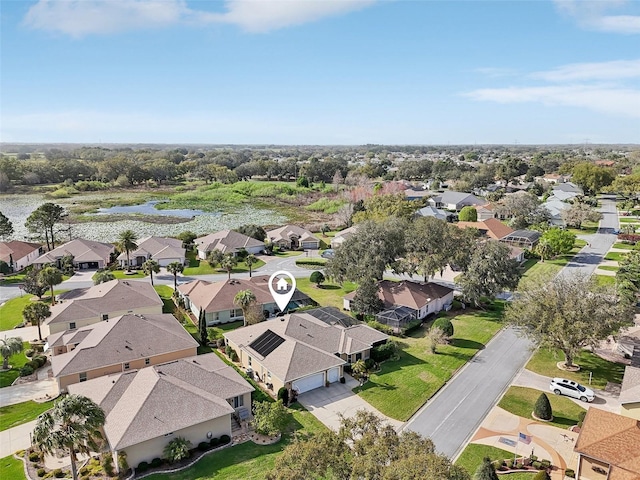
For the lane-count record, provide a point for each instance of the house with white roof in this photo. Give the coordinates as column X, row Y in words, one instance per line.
column 87, row 254
column 161, row 249
column 455, row 201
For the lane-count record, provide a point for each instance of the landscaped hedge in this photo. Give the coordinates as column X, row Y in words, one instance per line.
column 384, row 352
column 629, row 237
column 224, row 439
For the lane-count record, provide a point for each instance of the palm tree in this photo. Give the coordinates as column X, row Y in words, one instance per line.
column 228, row 263
column 127, row 242
column 50, row 276
column 9, row 346
column 250, row 260
column 544, row 249
column 175, row 268
column 73, row 425
column 102, row 276
column 245, row 299
column 35, row 313
column 150, row 267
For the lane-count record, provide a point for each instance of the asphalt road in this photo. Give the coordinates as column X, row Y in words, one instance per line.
column 453, row 415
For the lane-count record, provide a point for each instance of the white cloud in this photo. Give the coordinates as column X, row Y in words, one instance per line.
column 617, row 69
column 604, row 99
column 592, row 15
column 79, row 18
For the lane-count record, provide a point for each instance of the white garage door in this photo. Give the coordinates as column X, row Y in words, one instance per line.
column 334, row 374
column 309, row 383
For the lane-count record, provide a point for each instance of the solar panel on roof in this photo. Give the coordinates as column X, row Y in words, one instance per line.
column 266, row 343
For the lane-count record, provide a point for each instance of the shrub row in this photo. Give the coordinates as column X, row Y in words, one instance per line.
column 202, row 446
column 380, row 327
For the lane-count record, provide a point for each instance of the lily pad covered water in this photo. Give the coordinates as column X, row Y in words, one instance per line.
column 18, row 207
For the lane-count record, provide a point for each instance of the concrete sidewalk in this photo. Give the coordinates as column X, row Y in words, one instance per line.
column 37, row 390
column 16, row 438
column 604, row 400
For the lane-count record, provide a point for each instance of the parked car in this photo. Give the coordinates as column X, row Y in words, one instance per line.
column 328, row 253
column 561, row 386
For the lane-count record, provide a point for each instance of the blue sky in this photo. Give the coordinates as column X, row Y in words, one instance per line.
column 320, row 72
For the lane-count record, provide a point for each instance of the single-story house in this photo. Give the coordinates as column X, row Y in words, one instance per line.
column 87, row 254
column 294, row 237
column 490, row 228
column 608, row 447
column 568, row 187
column 451, row 200
column 81, row 307
column 19, row 255
column 216, row 298
column 118, row 344
column 485, row 212
column 523, row 238
column 227, row 241
column 195, row 398
column 555, row 208
column 562, row 196
column 630, row 393
column 423, row 298
column 434, row 212
column 161, row 249
column 517, row 254
column 301, row 352
column 412, row 194
column 340, row 237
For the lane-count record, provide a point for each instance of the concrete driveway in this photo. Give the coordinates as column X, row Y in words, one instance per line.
column 328, row 403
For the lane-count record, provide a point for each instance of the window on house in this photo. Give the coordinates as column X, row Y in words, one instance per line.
column 236, row 313
column 249, row 361
column 126, row 366
column 105, row 316
column 358, row 356
column 83, row 376
column 72, row 325
column 269, row 375
column 238, row 401
column 147, row 361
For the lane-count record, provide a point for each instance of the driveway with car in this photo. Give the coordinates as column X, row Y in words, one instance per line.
column 328, row 404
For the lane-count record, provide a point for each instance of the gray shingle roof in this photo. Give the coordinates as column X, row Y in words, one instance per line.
column 81, row 249
column 158, row 247
column 226, row 241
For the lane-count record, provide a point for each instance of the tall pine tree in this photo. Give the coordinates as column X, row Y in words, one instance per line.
column 202, row 329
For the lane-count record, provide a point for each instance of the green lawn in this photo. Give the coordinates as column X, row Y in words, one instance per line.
column 538, row 272
column 16, row 361
column 521, row 400
column 11, row 310
column 288, row 253
column 471, row 457
column 11, row 468
column 624, row 246
column 615, row 256
column 122, row 274
column 587, row 228
column 247, row 460
column 605, row 280
column 609, row 268
column 14, row 415
column 203, row 268
column 328, row 294
column 544, row 362
column 402, row 386
column 9, row 279
column 629, row 220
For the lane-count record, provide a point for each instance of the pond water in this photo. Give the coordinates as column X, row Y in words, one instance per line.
column 18, row 207
column 149, row 208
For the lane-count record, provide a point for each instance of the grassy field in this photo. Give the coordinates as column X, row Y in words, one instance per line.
column 14, row 415
column 521, row 400
column 16, row 361
column 544, row 362
column 402, row 386
column 11, row 468
column 328, row 294
column 247, row 460
column 538, row 272
column 11, row 310
column 471, row 457
column 605, row 280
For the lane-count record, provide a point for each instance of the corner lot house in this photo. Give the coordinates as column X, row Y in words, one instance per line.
column 227, row 241
column 116, row 345
column 87, row 254
column 421, row 298
column 301, row 352
column 216, row 298
column 195, row 398
column 293, row 237
column 630, row 393
column 608, row 447
column 162, row 250
column 19, row 255
column 85, row 306
column 454, row 201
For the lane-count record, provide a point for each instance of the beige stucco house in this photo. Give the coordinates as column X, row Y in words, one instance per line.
column 81, row 307
column 195, row 398
column 630, row 393
column 87, row 254
column 118, row 344
column 294, row 237
column 19, row 255
column 227, row 241
column 300, row 351
column 163, row 250
column 608, row 447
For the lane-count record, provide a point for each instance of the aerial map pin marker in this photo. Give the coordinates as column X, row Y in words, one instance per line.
column 283, row 290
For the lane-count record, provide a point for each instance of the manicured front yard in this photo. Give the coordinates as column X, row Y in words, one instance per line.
column 471, row 457
column 247, row 460
column 123, row 274
column 541, row 272
column 544, row 362
column 629, row 220
column 11, row 310
column 328, row 294
column 11, row 468
column 586, row 228
column 16, row 361
column 402, row 386
column 521, row 400
column 615, row 256
column 205, row 269
column 609, row 268
column 14, row 415
column 605, row 280
column 624, row 246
